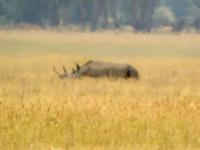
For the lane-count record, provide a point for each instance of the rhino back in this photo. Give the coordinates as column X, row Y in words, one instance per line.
column 105, row 69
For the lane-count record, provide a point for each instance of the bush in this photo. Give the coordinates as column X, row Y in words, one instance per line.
column 163, row 16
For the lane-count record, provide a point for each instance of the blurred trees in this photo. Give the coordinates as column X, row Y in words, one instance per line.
column 197, row 22
column 141, row 15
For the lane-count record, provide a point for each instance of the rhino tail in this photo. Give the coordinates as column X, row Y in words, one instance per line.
column 132, row 72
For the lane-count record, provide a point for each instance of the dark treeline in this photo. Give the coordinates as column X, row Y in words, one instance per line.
column 141, row 15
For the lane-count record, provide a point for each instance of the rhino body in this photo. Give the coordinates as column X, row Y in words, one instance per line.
column 99, row 69
column 105, row 69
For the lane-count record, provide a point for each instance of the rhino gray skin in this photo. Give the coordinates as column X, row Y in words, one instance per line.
column 101, row 69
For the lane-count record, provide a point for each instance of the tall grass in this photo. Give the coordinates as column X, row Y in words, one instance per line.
column 40, row 111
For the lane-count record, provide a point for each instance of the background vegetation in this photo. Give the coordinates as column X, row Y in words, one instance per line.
column 141, row 15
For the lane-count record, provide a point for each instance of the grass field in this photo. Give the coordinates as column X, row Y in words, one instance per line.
column 39, row 111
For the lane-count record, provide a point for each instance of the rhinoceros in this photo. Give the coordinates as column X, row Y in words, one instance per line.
column 99, row 69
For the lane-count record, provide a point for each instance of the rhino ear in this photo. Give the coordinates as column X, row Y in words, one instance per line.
column 78, row 67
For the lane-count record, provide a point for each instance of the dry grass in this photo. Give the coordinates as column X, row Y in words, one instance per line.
column 39, row 111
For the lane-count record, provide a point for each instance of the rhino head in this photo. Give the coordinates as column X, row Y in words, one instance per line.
column 65, row 74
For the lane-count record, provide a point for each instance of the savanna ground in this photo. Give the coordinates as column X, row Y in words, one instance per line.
column 40, row 111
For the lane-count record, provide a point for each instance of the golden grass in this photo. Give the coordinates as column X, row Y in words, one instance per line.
column 39, row 111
